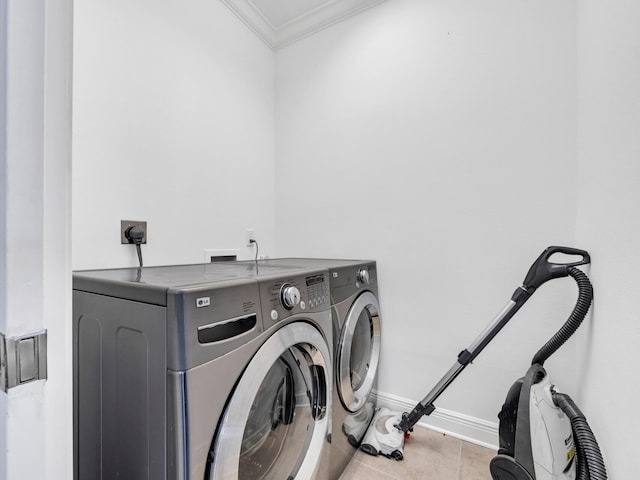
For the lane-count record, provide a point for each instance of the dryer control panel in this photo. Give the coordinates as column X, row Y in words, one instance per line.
column 294, row 295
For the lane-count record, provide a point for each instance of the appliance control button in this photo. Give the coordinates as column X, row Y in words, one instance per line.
column 274, row 315
column 302, row 305
column 363, row 276
column 290, row 296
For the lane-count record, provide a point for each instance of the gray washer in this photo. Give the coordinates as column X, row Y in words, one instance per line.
column 356, row 327
column 200, row 371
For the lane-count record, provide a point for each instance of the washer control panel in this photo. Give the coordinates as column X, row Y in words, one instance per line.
column 317, row 290
column 295, row 295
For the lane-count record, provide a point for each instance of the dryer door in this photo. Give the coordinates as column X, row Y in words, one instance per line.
column 358, row 352
column 276, row 421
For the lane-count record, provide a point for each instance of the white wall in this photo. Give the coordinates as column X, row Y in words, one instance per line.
column 438, row 138
column 608, row 222
column 173, row 124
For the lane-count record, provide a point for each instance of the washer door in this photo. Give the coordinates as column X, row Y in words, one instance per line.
column 358, row 352
column 276, row 421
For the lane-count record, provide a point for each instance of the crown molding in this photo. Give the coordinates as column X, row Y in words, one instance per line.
column 324, row 16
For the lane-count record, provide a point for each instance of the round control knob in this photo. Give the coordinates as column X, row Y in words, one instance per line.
column 363, row 276
column 290, row 296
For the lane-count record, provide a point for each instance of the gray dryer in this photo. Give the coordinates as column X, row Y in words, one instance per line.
column 356, row 340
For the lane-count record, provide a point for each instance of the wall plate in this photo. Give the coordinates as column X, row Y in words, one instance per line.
column 124, row 224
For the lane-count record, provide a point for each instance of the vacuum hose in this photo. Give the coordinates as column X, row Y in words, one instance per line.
column 585, row 297
column 590, row 463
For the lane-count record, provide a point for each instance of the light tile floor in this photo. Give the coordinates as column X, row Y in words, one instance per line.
column 428, row 455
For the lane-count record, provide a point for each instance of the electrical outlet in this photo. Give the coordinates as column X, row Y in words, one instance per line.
column 251, row 235
column 125, row 224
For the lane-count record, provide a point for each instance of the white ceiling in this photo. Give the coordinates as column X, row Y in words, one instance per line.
column 281, row 22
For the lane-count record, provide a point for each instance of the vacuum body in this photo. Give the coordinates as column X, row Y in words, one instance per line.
column 536, row 436
column 552, row 444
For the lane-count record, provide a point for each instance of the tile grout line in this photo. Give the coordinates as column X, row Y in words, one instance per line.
column 459, row 469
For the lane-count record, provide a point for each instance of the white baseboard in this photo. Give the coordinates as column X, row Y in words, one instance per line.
column 454, row 424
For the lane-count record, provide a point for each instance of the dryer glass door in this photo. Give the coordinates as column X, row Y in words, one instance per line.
column 359, row 352
column 276, row 422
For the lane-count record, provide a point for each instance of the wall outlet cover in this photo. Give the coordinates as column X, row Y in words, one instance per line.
column 125, row 224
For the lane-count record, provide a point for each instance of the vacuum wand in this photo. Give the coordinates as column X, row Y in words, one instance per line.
column 540, row 272
column 426, row 406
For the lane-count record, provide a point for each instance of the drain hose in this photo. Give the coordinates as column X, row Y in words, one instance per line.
column 585, row 297
column 590, row 463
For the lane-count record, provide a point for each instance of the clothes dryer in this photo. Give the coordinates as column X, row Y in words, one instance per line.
column 212, row 371
column 356, row 332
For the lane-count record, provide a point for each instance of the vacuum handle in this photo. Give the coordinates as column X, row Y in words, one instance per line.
column 544, row 270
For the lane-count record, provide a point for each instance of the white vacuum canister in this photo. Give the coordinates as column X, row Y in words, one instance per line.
column 552, row 443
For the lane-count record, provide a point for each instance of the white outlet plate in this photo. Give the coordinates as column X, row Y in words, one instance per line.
column 251, row 235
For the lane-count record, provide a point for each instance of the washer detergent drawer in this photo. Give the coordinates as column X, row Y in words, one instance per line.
column 119, row 388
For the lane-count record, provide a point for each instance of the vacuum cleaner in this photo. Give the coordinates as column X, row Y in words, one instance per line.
column 543, row 435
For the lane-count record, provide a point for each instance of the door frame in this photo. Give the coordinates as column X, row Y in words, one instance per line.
column 36, row 51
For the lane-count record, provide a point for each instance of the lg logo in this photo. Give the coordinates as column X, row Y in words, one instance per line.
column 203, row 302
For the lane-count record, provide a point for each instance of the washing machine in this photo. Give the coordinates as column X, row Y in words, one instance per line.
column 213, row 371
column 356, row 328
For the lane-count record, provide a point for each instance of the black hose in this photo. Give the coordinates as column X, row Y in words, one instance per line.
column 585, row 297
column 590, row 464
column 139, row 249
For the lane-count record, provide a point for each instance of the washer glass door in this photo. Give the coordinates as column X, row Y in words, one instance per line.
column 276, row 422
column 358, row 352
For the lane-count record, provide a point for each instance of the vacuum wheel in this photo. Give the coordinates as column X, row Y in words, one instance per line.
column 503, row 467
